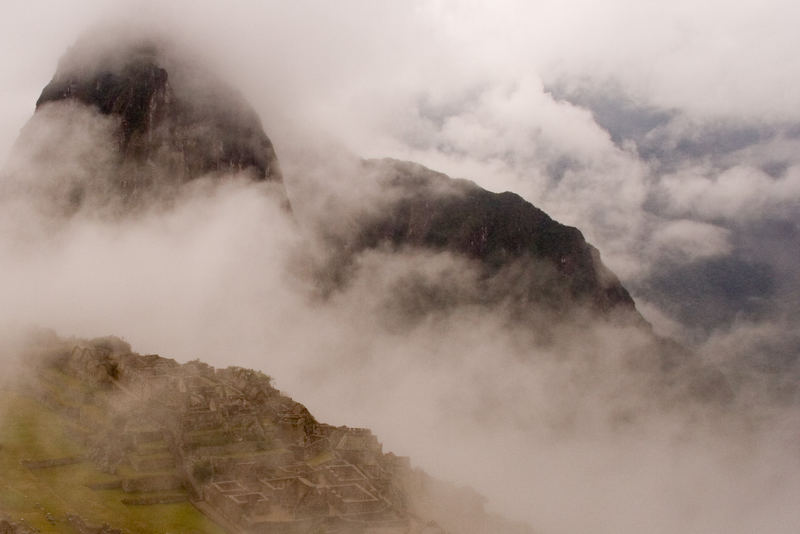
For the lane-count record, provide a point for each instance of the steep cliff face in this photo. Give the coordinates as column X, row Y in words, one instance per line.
column 499, row 230
column 174, row 121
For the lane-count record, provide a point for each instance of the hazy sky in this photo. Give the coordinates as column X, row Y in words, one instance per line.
column 709, row 58
column 668, row 132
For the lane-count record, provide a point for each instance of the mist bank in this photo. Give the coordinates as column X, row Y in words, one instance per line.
column 580, row 419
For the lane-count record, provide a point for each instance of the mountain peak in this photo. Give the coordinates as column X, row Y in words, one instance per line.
column 523, row 257
column 174, row 120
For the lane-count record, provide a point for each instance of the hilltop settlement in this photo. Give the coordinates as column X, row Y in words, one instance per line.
column 225, row 441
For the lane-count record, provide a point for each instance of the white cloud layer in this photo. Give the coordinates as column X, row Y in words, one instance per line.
column 740, row 193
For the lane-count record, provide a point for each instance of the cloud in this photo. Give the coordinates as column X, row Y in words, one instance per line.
column 737, row 194
column 685, row 240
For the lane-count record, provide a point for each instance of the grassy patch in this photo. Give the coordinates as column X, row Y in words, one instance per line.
column 31, row 430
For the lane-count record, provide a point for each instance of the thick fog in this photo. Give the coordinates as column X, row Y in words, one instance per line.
column 667, row 134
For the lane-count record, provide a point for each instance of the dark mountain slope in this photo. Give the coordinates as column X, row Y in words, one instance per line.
column 498, row 230
column 175, row 122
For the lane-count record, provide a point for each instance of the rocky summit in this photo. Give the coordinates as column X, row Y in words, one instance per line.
column 517, row 245
column 174, row 120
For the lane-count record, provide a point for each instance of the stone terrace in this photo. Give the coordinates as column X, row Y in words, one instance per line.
column 246, row 454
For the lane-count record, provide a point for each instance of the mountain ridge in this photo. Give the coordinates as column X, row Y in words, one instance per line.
column 177, row 123
column 442, row 213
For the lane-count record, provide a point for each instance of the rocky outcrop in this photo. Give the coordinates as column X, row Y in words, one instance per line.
column 524, row 257
column 174, row 121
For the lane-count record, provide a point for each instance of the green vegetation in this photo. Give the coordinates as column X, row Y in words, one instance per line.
column 29, row 430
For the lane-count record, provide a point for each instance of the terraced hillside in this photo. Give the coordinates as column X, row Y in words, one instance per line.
column 100, row 439
column 49, row 483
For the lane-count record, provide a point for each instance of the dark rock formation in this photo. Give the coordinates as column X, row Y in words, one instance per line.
column 522, row 255
column 542, row 273
column 175, row 122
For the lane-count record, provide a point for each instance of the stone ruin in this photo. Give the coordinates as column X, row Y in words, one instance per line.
column 246, row 455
